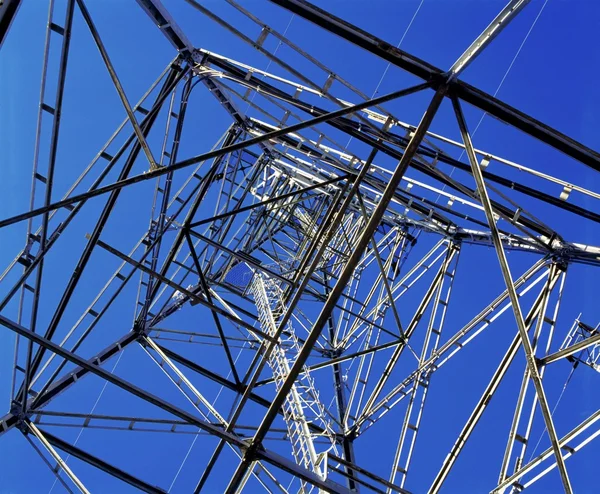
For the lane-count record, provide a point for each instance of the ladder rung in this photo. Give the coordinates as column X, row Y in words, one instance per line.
column 48, row 108
column 57, row 29
column 24, row 261
column 567, row 448
column 41, row 178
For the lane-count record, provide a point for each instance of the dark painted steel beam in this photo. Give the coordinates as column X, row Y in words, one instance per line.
column 223, row 382
column 193, row 297
column 8, row 12
column 124, row 182
column 99, row 227
column 11, row 419
column 101, row 464
column 339, row 287
column 428, row 72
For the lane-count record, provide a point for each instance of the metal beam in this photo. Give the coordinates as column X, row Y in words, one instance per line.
column 63, row 465
column 526, row 343
column 567, row 352
column 428, row 72
column 124, row 182
column 118, row 473
column 8, row 11
column 337, row 290
column 503, row 18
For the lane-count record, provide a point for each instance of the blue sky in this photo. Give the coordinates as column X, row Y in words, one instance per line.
column 553, row 79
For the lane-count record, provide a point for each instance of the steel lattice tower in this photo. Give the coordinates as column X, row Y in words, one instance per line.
column 293, row 297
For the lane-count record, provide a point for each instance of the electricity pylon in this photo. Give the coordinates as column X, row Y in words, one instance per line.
column 297, row 296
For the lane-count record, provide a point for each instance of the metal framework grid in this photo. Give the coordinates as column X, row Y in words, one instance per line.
column 299, row 254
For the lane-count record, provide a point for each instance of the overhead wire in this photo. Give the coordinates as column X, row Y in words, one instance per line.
column 510, row 66
column 389, row 63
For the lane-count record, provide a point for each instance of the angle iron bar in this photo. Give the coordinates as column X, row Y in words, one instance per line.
column 109, row 302
column 115, row 80
column 211, row 154
column 429, row 295
column 507, row 14
column 91, row 366
column 96, row 462
column 421, row 390
column 525, row 386
column 453, row 345
column 83, row 174
column 50, row 170
column 63, row 465
column 338, row 288
column 478, row 410
column 55, row 471
column 181, row 289
column 85, row 256
column 428, row 72
column 526, row 343
column 216, row 319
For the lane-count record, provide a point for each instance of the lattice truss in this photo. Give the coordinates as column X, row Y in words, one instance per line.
column 295, row 299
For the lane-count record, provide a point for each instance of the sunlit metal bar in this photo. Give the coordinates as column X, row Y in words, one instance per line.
column 526, row 343
column 37, row 433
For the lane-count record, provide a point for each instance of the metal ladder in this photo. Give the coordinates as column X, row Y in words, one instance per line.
column 302, row 405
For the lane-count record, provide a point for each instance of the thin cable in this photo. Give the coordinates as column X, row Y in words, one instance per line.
column 462, row 153
column 91, row 412
column 270, row 61
column 398, row 46
column 506, row 73
column 389, row 63
column 552, row 413
column 197, row 435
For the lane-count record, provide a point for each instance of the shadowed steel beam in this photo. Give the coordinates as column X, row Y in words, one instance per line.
column 506, row 15
column 496, row 379
column 214, row 430
column 216, row 319
column 37, row 433
column 94, row 368
column 62, row 75
column 161, row 17
column 224, row 382
column 582, row 427
column 9, row 420
column 55, row 471
column 117, row 83
column 428, row 72
column 567, row 352
column 339, row 287
column 172, row 78
column 529, row 352
column 195, row 298
column 213, row 154
column 101, row 464
column 8, row 11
